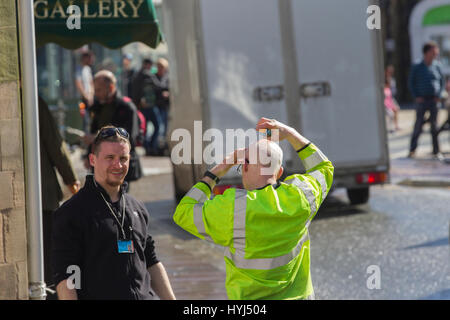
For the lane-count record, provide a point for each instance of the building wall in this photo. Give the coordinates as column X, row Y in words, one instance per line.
column 13, row 245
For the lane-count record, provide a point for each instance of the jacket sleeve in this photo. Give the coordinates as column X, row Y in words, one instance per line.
column 149, row 251
column 317, row 181
column 206, row 219
column 412, row 81
column 67, row 243
column 55, row 146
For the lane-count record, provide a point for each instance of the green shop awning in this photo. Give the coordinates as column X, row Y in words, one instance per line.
column 112, row 23
column 437, row 16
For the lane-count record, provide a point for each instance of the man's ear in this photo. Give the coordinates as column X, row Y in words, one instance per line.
column 92, row 159
column 280, row 172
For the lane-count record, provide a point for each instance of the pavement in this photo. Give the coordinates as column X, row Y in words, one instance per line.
column 423, row 170
column 196, row 268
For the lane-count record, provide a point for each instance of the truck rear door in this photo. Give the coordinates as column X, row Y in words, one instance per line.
column 338, row 70
column 242, row 62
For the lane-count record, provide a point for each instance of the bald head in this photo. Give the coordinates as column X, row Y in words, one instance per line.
column 106, row 76
column 267, row 154
column 104, row 86
column 262, row 165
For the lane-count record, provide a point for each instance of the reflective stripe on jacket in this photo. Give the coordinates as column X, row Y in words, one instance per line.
column 265, row 231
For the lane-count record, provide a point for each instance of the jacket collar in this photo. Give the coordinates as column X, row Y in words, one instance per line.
column 275, row 185
column 92, row 185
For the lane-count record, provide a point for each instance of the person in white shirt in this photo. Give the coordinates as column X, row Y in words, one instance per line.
column 85, row 85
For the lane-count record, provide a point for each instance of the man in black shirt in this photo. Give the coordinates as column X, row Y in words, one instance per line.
column 100, row 235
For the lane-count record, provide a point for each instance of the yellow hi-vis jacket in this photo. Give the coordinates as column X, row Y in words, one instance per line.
column 265, row 231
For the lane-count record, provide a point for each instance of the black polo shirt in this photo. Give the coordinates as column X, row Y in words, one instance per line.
column 85, row 234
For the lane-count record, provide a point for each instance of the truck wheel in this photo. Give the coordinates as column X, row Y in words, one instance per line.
column 358, row 196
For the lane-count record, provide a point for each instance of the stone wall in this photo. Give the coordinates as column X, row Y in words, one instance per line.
column 13, row 245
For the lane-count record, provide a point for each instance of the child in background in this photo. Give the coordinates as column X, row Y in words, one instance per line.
column 392, row 107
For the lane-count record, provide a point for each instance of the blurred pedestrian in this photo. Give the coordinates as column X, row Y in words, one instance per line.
column 391, row 105
column 126, row 75
column 160, row 82
column 54, row 156
column 110, row 108
column 138, row 83
column 103, row 231
column 390, row 74
column 426, row 83
column 265, row 226
column 85, row 86
column 145, row 98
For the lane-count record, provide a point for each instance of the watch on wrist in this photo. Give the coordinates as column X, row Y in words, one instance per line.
column 212, row 176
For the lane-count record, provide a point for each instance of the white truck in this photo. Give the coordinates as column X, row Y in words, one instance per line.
column 314, row 65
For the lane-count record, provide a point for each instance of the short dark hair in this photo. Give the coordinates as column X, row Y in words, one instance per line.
column 147, row 61
column 99, row 139
column 86, row 54
column 428, row 46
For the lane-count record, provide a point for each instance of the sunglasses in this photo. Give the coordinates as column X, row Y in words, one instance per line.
column 110, row 132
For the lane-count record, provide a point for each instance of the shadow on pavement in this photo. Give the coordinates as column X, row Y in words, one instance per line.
column 335, row 207
column 436, row 243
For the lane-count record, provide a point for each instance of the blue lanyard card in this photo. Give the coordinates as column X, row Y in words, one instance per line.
column 125, row 246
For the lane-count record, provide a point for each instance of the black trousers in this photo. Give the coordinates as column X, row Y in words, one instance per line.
column 421, row 108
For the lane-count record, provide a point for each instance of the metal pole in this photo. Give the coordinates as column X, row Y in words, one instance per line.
column 31, row 150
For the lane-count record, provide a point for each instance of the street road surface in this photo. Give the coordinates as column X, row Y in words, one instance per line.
column 402, row 231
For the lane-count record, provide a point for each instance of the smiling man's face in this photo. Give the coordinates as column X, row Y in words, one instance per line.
column 111, row 163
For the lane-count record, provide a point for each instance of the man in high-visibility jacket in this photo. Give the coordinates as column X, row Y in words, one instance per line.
column 264, row 227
